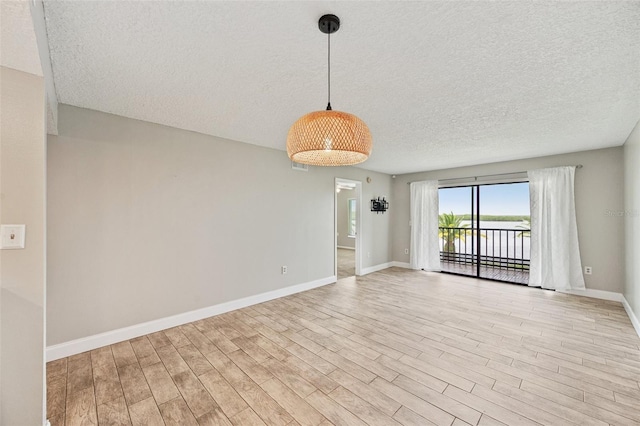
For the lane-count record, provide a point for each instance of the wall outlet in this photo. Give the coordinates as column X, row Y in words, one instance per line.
column 406, row 251
column 12, row 236
column 588, row 270
column 284, row 270
column 369, row 254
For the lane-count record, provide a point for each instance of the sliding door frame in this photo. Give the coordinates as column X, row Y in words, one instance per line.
column 476, row 240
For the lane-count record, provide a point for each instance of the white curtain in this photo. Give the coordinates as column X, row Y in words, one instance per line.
column 425, row 251
column 555, row 255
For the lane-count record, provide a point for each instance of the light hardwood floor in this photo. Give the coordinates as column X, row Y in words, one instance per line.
column 393, row 347
column 346, row 263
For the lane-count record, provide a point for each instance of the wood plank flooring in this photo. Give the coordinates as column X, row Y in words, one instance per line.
column 396, row 347
column 346, row 263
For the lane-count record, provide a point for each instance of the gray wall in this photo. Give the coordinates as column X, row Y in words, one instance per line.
column 343, row 219
column 632, row 218
column 598, row 191
column 157, row 221
column 22, row 276
column 147, row 221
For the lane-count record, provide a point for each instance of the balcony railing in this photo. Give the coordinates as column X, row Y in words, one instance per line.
column 502, row 254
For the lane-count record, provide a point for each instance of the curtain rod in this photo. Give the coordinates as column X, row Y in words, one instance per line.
column 579, row 166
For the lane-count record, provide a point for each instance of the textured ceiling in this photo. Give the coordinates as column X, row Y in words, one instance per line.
column 440, row 84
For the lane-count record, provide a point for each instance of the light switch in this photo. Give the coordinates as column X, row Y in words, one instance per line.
column 12, row 236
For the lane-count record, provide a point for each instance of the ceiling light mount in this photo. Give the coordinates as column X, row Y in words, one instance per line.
column 329, row 138
column 329, row 24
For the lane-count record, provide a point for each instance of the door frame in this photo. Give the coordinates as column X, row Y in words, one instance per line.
column 358, row 246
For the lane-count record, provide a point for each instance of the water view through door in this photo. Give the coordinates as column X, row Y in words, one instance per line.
column 484, row 231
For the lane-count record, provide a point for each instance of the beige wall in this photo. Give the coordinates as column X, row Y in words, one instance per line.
column 147, row 221
column 343, row 219
column 632, row 219
column 599, row 195
column 22, row 272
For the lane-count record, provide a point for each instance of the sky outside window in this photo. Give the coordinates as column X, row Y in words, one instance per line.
column 500, row 200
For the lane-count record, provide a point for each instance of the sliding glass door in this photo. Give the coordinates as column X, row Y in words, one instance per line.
column 457, row 230
column 484, row 231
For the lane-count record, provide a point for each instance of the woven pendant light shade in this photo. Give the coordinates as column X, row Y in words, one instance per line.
column 329, row 138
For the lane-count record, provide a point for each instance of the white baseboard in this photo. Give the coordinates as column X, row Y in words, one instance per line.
column 88, row 343
column 375, row 268
column 407, row 265
column 595, row 294
column 608, row 295
column 632, row 315
column 346, row 248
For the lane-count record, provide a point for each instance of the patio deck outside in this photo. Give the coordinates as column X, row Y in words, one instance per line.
column 503, row 254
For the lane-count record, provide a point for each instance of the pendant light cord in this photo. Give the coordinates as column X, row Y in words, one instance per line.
column 329, row 71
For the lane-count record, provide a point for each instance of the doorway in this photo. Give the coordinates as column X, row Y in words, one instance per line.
column 347, row 226
column 484, row 231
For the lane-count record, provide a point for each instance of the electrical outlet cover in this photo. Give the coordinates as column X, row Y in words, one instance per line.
column 12, row 236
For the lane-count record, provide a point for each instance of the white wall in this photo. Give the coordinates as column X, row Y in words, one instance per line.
column 147, row 221
column 599, row 200
column 343, row 217
column 632, row 218
column 22, row 276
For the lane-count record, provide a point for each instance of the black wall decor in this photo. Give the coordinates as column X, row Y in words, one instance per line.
column 379, row 205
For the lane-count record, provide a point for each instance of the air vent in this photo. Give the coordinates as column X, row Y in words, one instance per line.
column 299, row 167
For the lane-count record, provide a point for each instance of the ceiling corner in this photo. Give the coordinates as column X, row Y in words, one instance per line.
column 42, row 40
